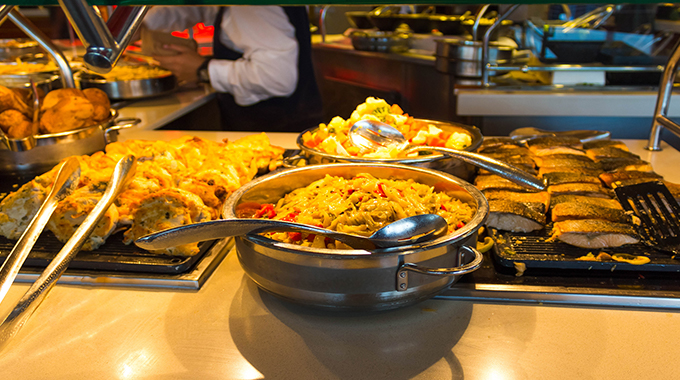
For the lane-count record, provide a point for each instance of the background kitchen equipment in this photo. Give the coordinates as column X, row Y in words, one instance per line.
column 348, row 279
column 385, row 42
column 463, row 58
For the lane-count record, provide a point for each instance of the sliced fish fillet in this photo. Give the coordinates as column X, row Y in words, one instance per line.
column 602, row 202
column 494, row 182
column 604, row 143
column 594, row 234
column 514, row 216
column 610, row 178
column 574, row 210
column 589, row 189
column 542, row 197
column 557, row 178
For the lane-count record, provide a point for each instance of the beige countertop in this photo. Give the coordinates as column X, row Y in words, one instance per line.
column 229, row 329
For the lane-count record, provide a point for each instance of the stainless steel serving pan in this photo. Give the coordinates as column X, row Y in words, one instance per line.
column 39, row 153
column 129, row 89
column 434, row 161
column 43, row 81
column 357, row 279
column 23, row 48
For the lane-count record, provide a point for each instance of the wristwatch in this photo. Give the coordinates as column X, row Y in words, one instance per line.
column 203, row 73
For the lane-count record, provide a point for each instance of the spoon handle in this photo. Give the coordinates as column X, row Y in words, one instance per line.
column 222, row 228
column 502, row 169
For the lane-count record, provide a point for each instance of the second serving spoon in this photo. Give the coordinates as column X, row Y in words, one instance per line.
column 407, row 231
column 371, row 134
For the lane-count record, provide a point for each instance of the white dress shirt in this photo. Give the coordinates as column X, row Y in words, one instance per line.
column 263, row 34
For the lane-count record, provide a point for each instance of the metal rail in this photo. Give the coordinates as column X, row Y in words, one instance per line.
column 45, row 42
column 660, row 120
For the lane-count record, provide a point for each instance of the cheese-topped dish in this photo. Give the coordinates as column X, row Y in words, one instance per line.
column 177, row 182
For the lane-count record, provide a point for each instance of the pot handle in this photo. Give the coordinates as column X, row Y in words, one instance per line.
column 118, row 124
column 292, row 161
column 402, row 273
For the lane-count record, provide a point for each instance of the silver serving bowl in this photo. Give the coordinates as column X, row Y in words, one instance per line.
column 357, row 279
column 39, row 153
column 433, row 161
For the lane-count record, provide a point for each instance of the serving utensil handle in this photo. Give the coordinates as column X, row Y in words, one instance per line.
column 123, row 172
column 402, row 273
column 502, row 169
column 64, row 184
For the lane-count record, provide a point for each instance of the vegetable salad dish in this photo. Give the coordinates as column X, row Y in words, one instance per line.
column 360, row 205
column 332, row 137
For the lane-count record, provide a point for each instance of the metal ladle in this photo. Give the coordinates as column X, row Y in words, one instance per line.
column 407, row 231
column 372, row 134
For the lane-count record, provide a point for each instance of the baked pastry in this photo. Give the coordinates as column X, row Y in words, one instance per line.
column 16, row 125
column 100, row 101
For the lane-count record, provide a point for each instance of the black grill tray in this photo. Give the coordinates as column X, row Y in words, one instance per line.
column 112, row 256
column 540, row 255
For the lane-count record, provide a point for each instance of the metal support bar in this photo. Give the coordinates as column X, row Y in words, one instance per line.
column 487, row 38
column 102, row 49
column 4, row 11
column 663, row 102
column 565, row 67
column 52, row 50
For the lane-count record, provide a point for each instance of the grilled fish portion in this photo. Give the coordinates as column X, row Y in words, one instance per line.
column 569, row 169
column 588, row 189
column 552, row 150
column 581, row 199
column 597, row 154
column 610, row 178
column 507, row 150
column 570, row 161
column 542, row 197
column 514, row 216
column 594, row 234
column 557, row 178
column 516, row 160
column 637, row 166
column 573, row 210
column 605, row 143
column 553, row 141
column 495, row 182
column 493, row 142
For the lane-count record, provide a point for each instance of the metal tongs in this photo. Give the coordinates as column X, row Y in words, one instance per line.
column 66, row 179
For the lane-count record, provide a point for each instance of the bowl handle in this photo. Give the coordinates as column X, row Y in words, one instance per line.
column 118, row 124
column 402, row 273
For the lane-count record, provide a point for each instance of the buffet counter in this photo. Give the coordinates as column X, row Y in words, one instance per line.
column 156, row 112
column 228, row 329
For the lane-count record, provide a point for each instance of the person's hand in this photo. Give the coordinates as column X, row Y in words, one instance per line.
column 184, row 65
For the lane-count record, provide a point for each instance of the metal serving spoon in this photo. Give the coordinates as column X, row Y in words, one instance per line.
column 411, row 230
column 587, row 135
column 371, row 134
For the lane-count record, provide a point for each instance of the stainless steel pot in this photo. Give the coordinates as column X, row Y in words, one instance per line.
column 39, row 153
column 434, row 161
column 129, row 89
column 357, row 279
column 464, row 57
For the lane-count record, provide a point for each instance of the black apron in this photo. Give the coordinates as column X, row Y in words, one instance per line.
column 293, row 113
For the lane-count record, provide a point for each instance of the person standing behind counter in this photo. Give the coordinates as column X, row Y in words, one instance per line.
column 261, row 65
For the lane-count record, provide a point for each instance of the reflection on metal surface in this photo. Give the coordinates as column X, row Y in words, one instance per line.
column 563, row 295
